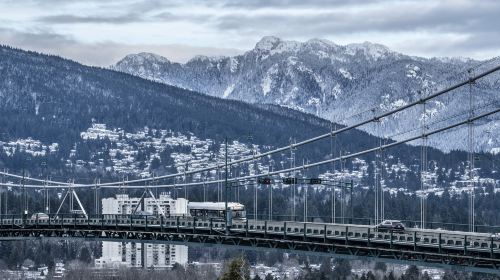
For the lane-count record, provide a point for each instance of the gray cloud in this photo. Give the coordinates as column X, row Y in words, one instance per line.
column 440, row 18
column 170, row 17
column 455, row 28
column 61, row 19
column 148, row 11
column 479, row 25
column 104, row 53
column 257, row 4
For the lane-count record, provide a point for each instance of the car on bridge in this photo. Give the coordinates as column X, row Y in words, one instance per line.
column 40, row 216
column 142, row 213
column 391, row 225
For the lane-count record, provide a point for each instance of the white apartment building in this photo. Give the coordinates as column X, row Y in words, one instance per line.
column 130, row 254
column 122, row 204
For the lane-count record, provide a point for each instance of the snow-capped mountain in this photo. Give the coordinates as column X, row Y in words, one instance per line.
column 340, row 83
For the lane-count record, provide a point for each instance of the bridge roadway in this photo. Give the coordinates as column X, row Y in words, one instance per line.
column 469, row 251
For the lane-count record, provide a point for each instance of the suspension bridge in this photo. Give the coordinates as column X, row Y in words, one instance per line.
column 474, row 248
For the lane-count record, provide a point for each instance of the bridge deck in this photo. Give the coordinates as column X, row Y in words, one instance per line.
column 471, row 251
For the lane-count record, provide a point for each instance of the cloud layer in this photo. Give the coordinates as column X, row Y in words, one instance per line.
column 101, row 32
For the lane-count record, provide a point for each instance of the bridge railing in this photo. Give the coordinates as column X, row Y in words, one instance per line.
column 67, row 218
column 369, row 221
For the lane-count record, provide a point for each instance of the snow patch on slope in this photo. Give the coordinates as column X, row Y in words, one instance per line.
column 267, row 81
column 233, row 64
column 412, row 71
column 336, row 91
column 228, row 91
column 346, row 74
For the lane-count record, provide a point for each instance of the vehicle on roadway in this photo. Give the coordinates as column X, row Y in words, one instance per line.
column 40, row 216
column 216, row 210
column 142, row 213
column 391, row 225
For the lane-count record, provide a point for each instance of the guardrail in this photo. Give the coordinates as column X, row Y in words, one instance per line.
column 369, row 221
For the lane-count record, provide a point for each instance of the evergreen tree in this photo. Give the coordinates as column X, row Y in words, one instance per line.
column 325, row 270
column 391, row 276
column 342, row 269
column 381, row 266
column 412, row 273
column 237, row 269
column 85, row 255
column 269, row 276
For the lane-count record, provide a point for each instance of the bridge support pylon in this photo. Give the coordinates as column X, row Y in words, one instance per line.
column 71, row 193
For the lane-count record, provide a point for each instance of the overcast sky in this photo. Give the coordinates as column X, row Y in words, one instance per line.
column 100, row 32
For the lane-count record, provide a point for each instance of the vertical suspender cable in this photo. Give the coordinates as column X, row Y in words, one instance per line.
column 380, row 174
column 423, row 165
column 471, row 157
column 290, row 175
column 304, row 190
column 375, row 176
column 185, row 181
column 204, row 191
column 6, row 201
column 218, row 184
column 226, row 190
column 334, row 170
column 271, row 191
column 239, row 186
column 256, row 187
column 294, row 186
column 332, row 195
column 95, row 197
column 1, row 193
column 342, row 194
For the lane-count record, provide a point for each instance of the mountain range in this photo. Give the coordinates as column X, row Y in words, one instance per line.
column 344, row 84
column 50, row 100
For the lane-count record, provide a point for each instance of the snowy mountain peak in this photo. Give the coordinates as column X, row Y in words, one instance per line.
column 319, row 77
column 270, row 45
column 204, row 58
column 321, row 43
column 144, row 57
column 370, row 50
column 267, row 43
